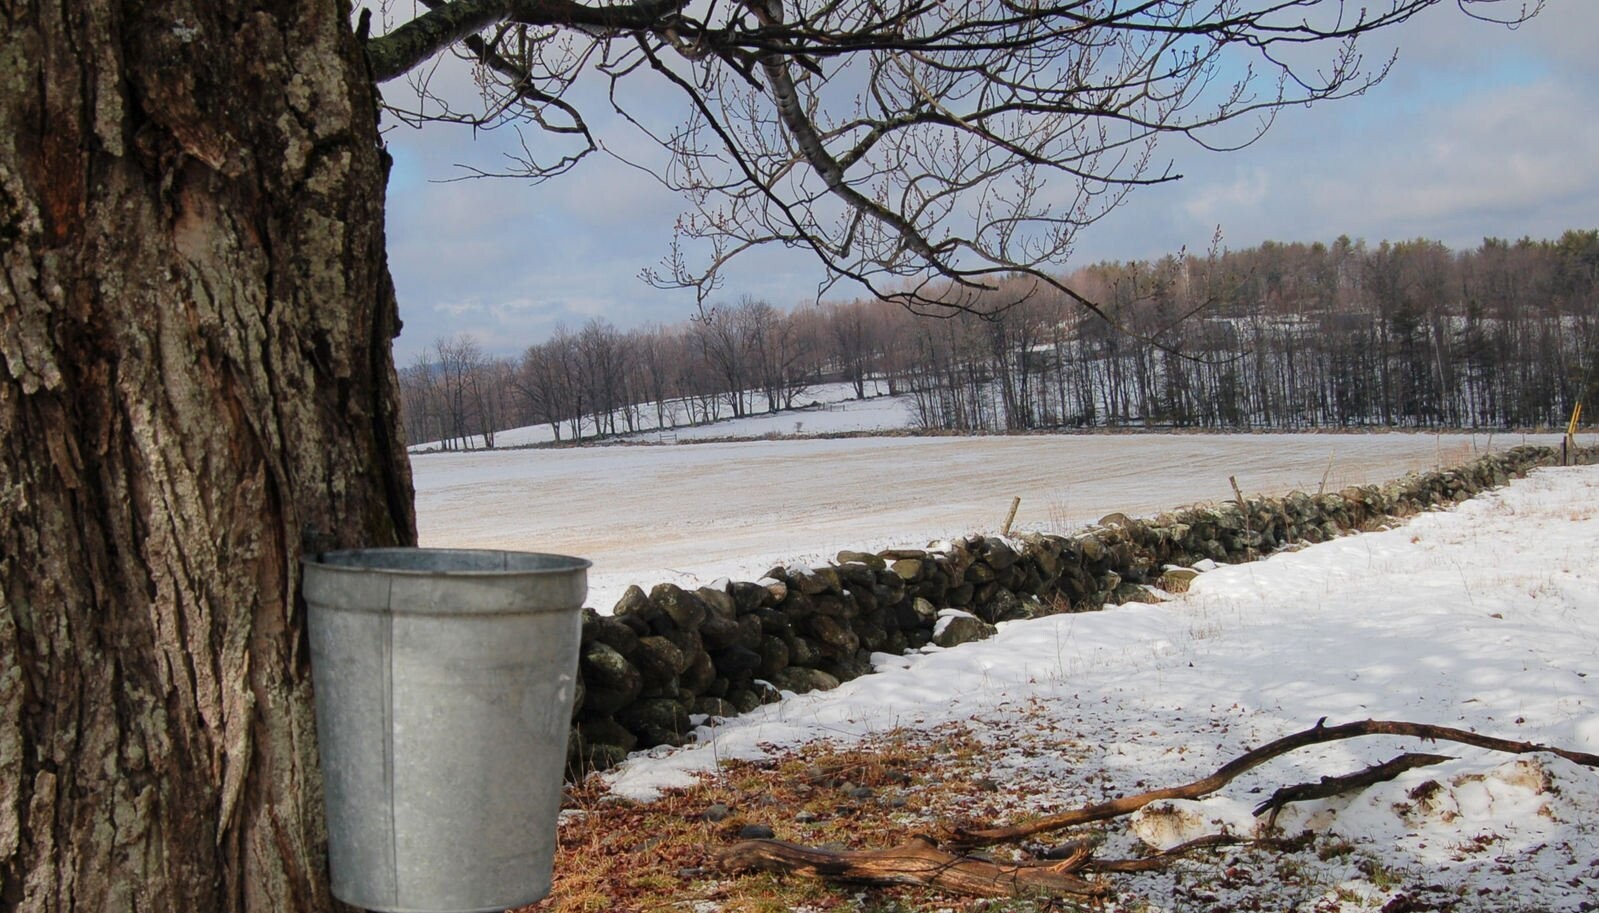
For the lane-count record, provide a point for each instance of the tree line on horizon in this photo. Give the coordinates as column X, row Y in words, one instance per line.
column 1280, row 336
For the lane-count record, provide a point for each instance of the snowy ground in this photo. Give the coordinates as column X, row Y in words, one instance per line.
column 1485, row 617
column 822, row 409
column 690, row 514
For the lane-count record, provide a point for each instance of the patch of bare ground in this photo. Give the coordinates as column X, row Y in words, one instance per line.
column 885, row 792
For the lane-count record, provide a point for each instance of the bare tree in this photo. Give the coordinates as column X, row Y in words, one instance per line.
column 468, row 410
column 420, row 401
column 723, row 345
column 544, row 386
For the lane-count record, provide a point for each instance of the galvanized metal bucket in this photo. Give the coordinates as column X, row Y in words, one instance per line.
column 444, row 685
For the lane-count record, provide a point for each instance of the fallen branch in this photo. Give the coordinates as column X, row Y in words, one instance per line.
column 917, row 862
column 1327, row 787
column 1316, row 735
column 1162, row 859
column 922, row 861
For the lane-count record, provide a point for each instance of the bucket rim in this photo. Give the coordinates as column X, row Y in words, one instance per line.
column 557, row 564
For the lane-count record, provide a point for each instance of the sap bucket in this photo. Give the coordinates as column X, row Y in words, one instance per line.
column 444, row 686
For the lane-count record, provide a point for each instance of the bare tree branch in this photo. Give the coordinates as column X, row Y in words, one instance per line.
column 925, row 150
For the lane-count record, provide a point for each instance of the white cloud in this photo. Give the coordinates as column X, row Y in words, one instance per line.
column 1214, row 202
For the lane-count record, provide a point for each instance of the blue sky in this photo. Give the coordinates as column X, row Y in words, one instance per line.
column 1478, row 131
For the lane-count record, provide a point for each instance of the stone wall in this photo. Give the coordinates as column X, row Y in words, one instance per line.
column 669, row 658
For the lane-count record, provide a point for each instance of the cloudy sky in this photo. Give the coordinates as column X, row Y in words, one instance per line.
column 1478, row 131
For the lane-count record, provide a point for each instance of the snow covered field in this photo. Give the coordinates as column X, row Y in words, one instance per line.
column 690, row 514
column 823, row 409
column 1484, row 618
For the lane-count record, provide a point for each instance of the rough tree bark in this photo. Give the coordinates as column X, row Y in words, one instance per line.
column 195, row 382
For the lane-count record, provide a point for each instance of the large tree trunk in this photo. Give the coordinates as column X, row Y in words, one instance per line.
column 195, row 384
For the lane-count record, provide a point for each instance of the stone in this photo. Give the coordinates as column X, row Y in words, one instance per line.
column 607, row 630
column 766, row 692
column 1046, row 560
column 659, row 721
column 1007, row 606
column 736, row 663
column 773, row 622
column 632, row 601
column 997, row 553
column 828, row 604
column 908, row 569
column 699, row 675
column 687, row 640
column 663, row 688
column 875, row 562
column 812, row 583
column 801, row 680
column 1132, row 592
column 748, row 597
column 983, row 596
column 606, row 731
column 658, row 659
column 756, row 832
column 714, row 707
column 1177, row 579
column 602, row 756
column 802, row 651
column 979, row 573
column 750, row 632
column 846, row 668
column 855, row 575
column 955, row 628
column 835, row 637
column 719, row 631
column 872, row 634
column 1091, row 547
column 776, row 590
column 603, row 701
column 718, row 602
column 604, row 668
column 774, row 657
column 743, row 699
column 685, row 609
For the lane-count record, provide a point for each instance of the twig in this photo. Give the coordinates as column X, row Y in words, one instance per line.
column 1162, row 859
column 917, row 862
column 1327, row 787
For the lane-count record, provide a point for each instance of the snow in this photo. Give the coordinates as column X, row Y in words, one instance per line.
column 821, row 410
column 692, row 513
column 1485, row 617
column 829, row 410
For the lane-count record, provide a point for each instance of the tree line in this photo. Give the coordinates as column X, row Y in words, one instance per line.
column 1407, row 334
